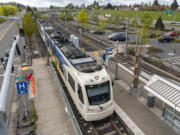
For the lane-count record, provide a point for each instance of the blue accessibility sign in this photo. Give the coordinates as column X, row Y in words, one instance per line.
column 109, row 50
column 21, row 87
column 22, row 92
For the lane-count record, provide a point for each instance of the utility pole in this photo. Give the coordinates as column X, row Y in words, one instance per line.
column 66, row 18
column 173, row 56
column 175, row 17
column 126, row 47
column 47, row 53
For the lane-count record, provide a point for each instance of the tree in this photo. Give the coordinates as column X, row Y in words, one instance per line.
column 62, row 16
column 9, row 10
column 28, row 9
column 29, row 27
column 116, row 19
column 1, row 11
column 95, row 18
column 51, row 7
column 70, row 6
column 102, row 24
column 96, row 5
column 146, row 21
column 82, row 18
column 135, row 24
column 155, row 3
column 159, row 24
column 109, row 6
column 174, row 5
column 69, row 16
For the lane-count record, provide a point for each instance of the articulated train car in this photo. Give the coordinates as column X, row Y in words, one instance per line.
column 87, row 81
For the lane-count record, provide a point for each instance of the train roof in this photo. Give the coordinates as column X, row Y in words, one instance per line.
column 79, row 59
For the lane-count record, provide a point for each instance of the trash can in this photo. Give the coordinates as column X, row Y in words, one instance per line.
column 150, row 100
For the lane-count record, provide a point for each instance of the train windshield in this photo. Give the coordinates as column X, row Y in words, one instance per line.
column 98, row 94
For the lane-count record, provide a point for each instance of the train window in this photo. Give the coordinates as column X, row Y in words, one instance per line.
column 99, row 93
column 71, row 81
column 54, row 51
column 60, row 65
column 80, row 94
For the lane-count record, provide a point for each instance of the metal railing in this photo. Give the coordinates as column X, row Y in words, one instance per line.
column 5, row 87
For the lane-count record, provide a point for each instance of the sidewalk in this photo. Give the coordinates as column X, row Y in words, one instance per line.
column 148, row 120
column 52, row 118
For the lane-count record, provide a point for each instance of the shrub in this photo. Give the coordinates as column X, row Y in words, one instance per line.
column 154, row 50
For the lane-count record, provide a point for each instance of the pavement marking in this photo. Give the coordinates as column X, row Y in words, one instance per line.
column 13, row 65
column 173, row 60
column 24, row 68
column 3, row 75
column 5, row 31
column 147, row 45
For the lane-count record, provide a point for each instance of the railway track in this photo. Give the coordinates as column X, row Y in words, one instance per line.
column 126, row 61
column 84, row 36
column 109, row 126
column 113, row 125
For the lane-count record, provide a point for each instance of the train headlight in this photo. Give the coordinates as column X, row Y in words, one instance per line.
column 91, row 110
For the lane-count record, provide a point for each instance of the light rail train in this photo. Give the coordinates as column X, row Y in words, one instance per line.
column 88, row 83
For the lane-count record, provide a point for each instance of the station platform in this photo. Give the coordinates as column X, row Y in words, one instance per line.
column 52, row 118
column 148, row 120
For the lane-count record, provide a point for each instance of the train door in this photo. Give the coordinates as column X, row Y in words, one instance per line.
column 80, row 96
column 65, row 72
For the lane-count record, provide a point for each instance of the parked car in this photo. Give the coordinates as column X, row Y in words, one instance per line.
column 173, row 33
column 122, row 27
column 166, row 38
column 117, row 37
column 100, row 32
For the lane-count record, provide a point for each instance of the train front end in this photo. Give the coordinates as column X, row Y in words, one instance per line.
column 99, row 96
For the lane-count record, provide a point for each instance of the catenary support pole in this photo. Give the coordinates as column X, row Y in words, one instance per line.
column 126, row 47
column 47, row 53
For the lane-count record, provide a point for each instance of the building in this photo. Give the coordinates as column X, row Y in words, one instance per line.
column 168, row 92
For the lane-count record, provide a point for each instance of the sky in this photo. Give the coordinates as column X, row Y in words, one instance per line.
column 47, row 3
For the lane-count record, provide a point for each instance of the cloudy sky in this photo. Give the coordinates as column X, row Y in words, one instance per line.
column 47, row 3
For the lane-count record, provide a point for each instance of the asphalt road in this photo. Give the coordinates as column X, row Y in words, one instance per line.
column 8, row 30
column 168, row 48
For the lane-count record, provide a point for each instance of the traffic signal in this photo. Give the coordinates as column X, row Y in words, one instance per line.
column 21, row 32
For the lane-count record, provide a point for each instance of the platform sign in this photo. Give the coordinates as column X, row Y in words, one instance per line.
column 21, row 87
column 22, row 92
column 168, row 12
column 109, row 50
